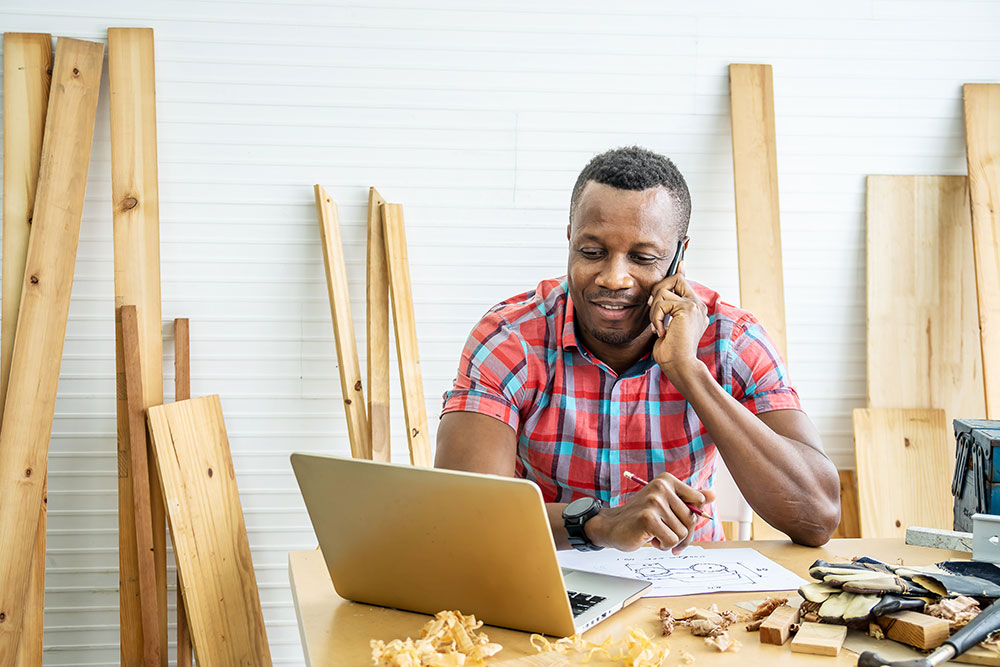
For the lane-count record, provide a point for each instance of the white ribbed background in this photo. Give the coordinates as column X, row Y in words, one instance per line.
column 477, row 117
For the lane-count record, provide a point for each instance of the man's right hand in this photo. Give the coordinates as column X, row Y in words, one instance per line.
column 657, row 515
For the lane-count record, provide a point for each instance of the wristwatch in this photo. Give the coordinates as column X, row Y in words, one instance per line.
column 574, row 516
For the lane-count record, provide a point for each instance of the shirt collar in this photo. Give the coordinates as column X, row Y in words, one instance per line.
column 569, row 330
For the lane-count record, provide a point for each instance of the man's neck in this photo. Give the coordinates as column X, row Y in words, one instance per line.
column 619, row 357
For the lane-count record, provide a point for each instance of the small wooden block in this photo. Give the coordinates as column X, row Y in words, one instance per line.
column 776, row 628
column 916, row 629
column 819, row 639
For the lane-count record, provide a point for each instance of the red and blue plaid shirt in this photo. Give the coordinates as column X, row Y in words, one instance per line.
column 580, row 425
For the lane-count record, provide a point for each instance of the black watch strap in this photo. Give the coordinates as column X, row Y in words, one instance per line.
column 575, row 515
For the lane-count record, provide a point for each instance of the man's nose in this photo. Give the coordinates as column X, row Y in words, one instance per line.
column 615, row 274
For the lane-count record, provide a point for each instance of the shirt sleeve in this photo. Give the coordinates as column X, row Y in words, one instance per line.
column 492, row 373
column 758, row 375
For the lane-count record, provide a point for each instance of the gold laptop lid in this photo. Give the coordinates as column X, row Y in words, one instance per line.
column 425, row 540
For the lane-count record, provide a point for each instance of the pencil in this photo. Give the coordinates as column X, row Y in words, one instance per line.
column 640, row 480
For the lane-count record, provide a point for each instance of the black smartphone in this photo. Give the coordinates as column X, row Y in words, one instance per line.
column 678, row 256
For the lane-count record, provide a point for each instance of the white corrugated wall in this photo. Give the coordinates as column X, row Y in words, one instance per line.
column 476, row 117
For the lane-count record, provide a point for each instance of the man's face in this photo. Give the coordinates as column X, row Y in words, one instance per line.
column 621, row 243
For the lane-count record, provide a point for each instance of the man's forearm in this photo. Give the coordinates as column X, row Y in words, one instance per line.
column 791, row 485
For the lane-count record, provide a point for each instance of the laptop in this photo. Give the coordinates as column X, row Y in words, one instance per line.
column 426, row 540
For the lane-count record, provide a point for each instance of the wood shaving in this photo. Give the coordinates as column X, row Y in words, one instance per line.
column 810, row 617
column 704, row 628
column 448, row 640
column 957, row 611
column 765, row 608
column 754, row 625
column 636, row 650
column 690, row 612
column 667, row 619
column 794, row 628
column 875, row 631
column 723, row 642
column 686, row 658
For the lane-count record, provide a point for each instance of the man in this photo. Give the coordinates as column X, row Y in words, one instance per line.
column 620, row 367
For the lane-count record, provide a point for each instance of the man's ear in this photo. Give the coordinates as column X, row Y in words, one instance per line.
column 569, row 228
column 687, row 239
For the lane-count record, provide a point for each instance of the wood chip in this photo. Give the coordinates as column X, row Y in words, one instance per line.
column 765, row 608
column 754, row 625
column 703, row 628
column 723, row 642
column 667, row 619
column 957, row 611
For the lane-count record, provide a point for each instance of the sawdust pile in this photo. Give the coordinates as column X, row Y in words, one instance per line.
column 448, row 640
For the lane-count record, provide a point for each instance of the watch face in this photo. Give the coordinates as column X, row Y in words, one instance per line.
column 579, row 506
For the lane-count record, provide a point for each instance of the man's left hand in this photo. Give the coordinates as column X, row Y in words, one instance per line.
column 679, row 319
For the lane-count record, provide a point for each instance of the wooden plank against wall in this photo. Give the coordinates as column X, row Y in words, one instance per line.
column 900, row 458
column 982, row 146
column 209, row 533
column 38, row 344
column 414, row 407
column 378, row 330
column 27, row 60
column 139, row 477
column 343, row 325
column 182, row 392
column 923, row 322
column 136, row 230
column 758, row 227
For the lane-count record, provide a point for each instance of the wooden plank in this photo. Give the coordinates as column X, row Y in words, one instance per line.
column 936, row 538
column 209, row 535
column 755, row 175
column 378, row 330
column 819, row 639
column 38, row 344
column 136, row 222
column 982, row 146
column 900, row 457
column 27, row 61
column 405, row 327
column 758, row 226
column 182, row 392
column 923, row 323
column 850, row 520
column 143, row 532
column 916, row 629
column 777, row 627
column 343, row 325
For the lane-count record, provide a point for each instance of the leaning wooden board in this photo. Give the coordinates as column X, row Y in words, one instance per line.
column 343, row 325
column 136, row 222
column 900, row 457
column 923, row 321
column 378, row 330
column 38, row 345
column 182, row 392
column 209, row 535
column 758, row 226
column 982, row 146
column 414, row 407
column 27, row 61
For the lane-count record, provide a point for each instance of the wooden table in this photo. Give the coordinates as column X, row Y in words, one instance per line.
column 336, row 632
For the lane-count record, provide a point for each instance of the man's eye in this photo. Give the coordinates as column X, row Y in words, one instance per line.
column 591, row 253
column 644, row 259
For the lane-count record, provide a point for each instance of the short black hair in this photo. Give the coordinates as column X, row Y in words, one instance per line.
column 635, row 168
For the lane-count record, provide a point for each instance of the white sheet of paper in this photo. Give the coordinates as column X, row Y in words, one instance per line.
column 694, row 571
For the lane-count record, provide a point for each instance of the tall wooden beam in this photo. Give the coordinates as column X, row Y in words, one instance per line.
column 135, row 219
column 41, row 330
column 982, row 146
column 27, row 59
column 758, row 227
column 343, row 325
column 182, row 392
column 378, row 330
column 414, row 407
column 139, row 469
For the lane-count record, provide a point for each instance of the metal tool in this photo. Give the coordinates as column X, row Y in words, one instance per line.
column 978, row 629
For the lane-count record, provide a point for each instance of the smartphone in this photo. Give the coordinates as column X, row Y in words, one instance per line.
column 678, row 256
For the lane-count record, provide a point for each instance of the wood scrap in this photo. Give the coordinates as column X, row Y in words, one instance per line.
column 722, row 642
column 182, row 392
column 777, row 628
column 41, row 328
column 136, row 235
column 343, row 325
column 915, row 629
column 957, row 611
column 27, row 73
column 819, row 639
column 223, row 605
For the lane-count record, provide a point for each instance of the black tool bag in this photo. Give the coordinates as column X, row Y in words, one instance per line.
column 976, row 484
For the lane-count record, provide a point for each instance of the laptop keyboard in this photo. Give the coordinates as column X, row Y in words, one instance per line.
column 581, row 602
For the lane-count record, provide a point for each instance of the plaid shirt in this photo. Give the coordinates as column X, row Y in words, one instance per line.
column 579, row 424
